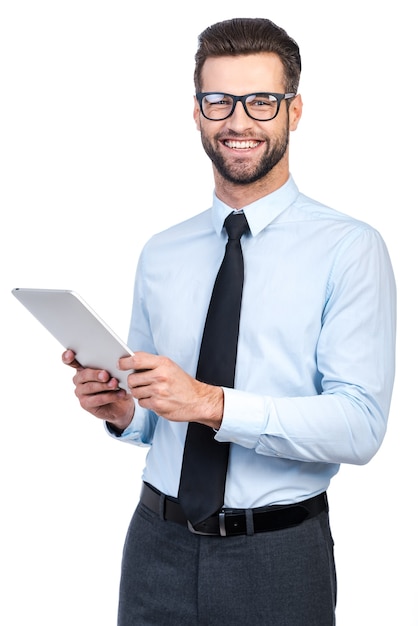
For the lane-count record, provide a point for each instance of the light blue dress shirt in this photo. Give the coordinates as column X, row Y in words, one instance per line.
column 315, row 364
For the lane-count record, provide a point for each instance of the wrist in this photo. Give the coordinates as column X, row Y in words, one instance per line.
column 214, row 407
column 118, row 426
column 112, row 428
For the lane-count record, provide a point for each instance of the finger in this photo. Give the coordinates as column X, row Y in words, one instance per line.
column 101, row 378
column 141, row 379
column 68, row 358
column 102, row 398
column 139, row 361
column 104, row 391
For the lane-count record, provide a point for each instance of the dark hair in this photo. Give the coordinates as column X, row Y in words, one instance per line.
column 248, row 36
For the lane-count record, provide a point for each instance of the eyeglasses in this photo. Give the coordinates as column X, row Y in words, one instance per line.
column 262, row 107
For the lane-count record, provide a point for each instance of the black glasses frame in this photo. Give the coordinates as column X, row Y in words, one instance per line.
column 279, row 97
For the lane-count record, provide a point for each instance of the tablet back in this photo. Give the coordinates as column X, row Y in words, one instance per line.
column 76, row 326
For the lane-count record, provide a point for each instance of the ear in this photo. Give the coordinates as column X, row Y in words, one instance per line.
column 295, row 112
column 196, row 113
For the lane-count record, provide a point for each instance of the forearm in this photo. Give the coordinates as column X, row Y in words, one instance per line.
column 330, row 428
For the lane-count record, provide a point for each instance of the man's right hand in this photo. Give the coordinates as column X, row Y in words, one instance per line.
column 100, row 394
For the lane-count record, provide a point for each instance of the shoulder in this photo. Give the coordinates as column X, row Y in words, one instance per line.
column 329, row 221
column 180, row 232
column 315, row 210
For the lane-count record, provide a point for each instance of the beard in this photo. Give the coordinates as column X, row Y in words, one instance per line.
column 242, row 171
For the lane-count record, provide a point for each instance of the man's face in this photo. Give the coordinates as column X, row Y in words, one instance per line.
column 244, row 150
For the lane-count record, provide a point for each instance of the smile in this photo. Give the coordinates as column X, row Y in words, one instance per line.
column 241, row 145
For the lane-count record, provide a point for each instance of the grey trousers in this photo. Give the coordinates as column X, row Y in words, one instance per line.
column 171, row 577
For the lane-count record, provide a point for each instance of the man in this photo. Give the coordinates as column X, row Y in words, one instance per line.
column 314, row 365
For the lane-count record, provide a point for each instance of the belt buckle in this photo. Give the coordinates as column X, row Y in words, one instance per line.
column 221, row 532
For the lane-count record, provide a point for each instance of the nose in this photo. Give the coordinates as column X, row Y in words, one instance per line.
column 239, row 120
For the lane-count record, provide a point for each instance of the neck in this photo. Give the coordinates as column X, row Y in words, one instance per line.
column 238, row 196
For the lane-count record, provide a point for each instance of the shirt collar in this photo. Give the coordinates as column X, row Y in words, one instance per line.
column 259, row 213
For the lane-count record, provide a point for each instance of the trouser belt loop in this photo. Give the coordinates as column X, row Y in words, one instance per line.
column 161, row 509
column 249, row 521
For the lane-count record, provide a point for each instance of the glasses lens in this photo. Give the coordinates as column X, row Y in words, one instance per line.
column 262, row 106
column 217, row 106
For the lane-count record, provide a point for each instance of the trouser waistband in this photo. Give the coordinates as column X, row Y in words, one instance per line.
column 236, row 521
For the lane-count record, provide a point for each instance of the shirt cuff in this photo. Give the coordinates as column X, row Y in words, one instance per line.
column 134, row 433
column 243, row 419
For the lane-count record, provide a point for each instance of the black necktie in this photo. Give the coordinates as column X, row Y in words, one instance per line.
column 205, row 460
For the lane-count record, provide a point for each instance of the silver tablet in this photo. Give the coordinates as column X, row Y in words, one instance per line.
column 77, row 327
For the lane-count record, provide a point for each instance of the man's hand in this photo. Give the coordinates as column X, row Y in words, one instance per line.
column 163, row 387
column 100, row 395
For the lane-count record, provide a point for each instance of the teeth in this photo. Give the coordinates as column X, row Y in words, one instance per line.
column 242, row 144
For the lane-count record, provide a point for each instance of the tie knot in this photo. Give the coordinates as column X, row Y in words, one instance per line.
column 236, row 224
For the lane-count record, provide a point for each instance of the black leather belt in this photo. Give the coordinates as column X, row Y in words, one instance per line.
column 236, row 521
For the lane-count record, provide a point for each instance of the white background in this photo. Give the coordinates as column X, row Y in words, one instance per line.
column 91, row 166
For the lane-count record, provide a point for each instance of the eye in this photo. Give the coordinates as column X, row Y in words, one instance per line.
column 262, row 101
column 217, row 99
